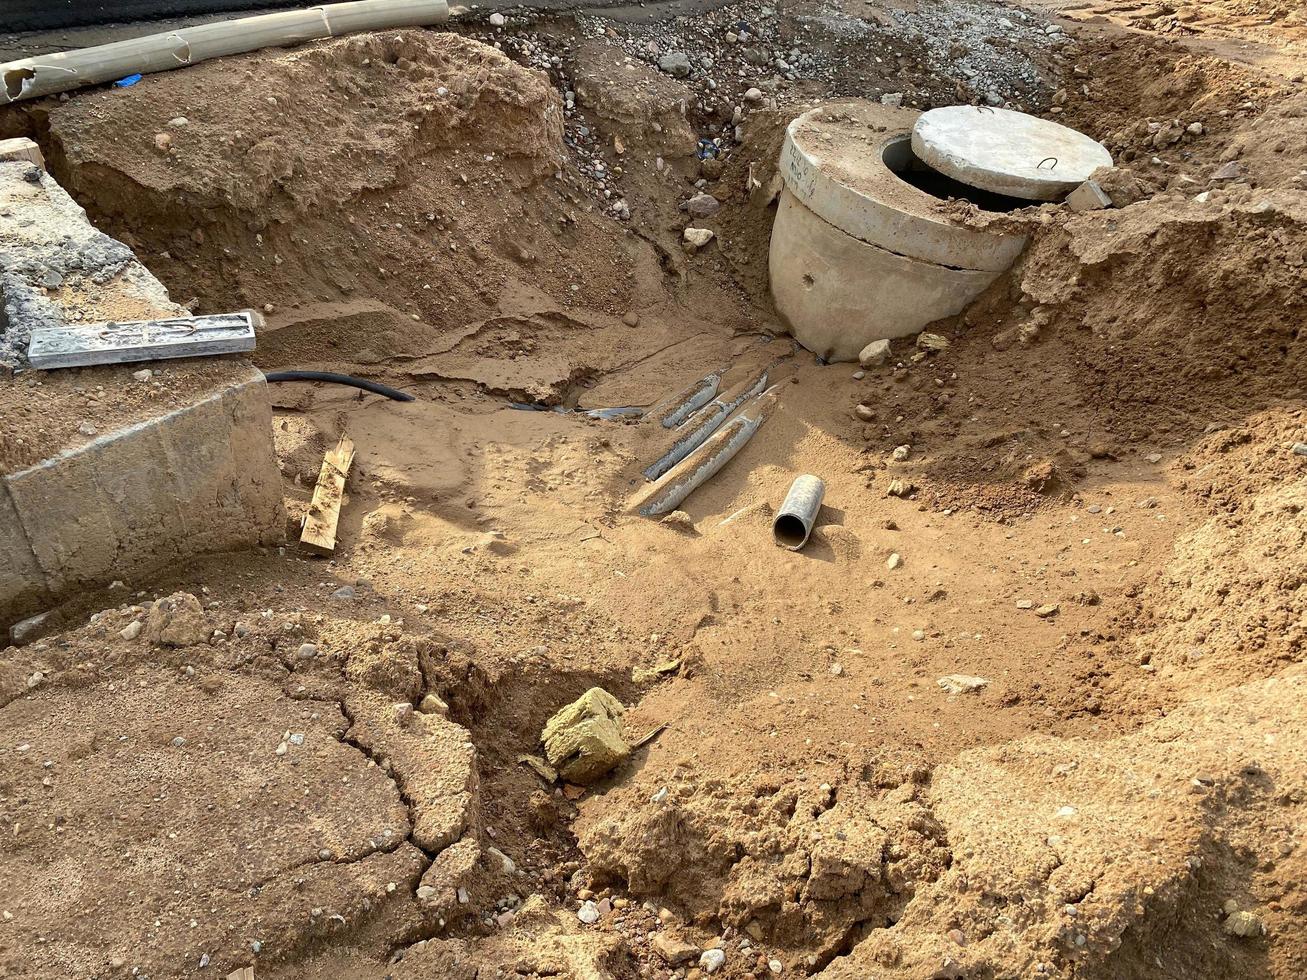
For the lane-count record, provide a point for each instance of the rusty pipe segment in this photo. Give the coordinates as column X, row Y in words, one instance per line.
column 697, row 468
column 680, row 406
column 703, row 424
column 798, row 513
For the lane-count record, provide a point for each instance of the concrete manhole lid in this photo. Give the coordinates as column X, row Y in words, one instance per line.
column 1006, row 152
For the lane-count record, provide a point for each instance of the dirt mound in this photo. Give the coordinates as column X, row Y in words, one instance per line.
column 433, row 191
column 1118, row 858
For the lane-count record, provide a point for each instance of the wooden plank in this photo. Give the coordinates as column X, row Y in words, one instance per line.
column 319, row 533
column 83, row 344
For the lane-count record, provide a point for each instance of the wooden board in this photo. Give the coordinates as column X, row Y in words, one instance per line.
column 319, row 533
column 83, row 344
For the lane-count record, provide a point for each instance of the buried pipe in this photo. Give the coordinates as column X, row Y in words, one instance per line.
column 680, row 406
column 692, row 472
column 703, row 424
column 60, row 72
column 794, row 520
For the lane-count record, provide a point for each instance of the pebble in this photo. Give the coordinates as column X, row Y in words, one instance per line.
column 1025, row 604
column 874, row 354
column 497, row 20
column 145, row 374
column 631, row 319
column 703, row 205
column 1044, row 612
column 588, row 913
column 865, row 413
column 1244, row 925
column 962, row 683
column 131, row 631
column 918, row 635
column 676, row 64
column 87, row 429
column 179, row 122
column 901, row 453
column 307, row 650
column 859, row 375
column 712, row 960
column 344, row 592
column 894, row 561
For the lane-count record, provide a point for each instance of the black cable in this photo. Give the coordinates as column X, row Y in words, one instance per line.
column 341, row 379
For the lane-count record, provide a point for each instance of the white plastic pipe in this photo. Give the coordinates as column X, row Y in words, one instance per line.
column 54, row 73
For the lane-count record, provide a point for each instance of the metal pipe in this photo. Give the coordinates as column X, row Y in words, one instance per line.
column 693, row 471
column 702, row 424
column 794, row 520
column 680, row 406
column 53, row 73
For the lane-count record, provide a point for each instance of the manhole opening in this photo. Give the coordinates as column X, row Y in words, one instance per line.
column 910, row 169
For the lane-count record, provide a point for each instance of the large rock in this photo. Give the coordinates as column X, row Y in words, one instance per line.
column 584, row 740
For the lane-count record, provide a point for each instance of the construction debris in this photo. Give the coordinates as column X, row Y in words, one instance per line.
column 583, row 741
column 21, row 148
column 319, row 532
column 82, row 344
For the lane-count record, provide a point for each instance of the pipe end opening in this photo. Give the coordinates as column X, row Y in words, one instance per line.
column 790, row 532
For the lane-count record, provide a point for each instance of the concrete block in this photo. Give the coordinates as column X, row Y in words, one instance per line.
column 21, row 148
column 200, row 479
column 1089, row 196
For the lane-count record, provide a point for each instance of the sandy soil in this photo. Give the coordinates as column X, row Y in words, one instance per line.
column 1105, row 524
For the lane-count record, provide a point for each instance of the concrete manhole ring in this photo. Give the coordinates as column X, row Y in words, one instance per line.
column 843, row 162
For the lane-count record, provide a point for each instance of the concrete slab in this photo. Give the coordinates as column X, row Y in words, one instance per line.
column 1007, row 152
column 842, row 160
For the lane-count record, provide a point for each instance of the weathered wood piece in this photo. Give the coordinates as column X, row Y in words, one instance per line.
column 83, row 344
column 319, row 533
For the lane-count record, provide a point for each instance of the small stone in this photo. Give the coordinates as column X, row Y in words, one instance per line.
column 179, row 122
column 1025, row 604
column 1089, row 196
column 673, row 950
column 676, row 64
column 702, row 205
column 87, row 429
column 696, row 238
column 162, row 142
column 307, row 650
column 932, row 341
column 874, row 354
column 344, row 592
column 753, row 95
column 901, row 453
column 1244, row 925
column 892, row 99
column 894, row 561
column 403, row 713
column 775, row 966
column 132, row 630
column 1230, row 171
column 961, row 683
column 433, row 705
column 1044, row 612
column 588, row 913
column 859, row 375
column 864, row 413
column 712, row 960
column 958, row 936
column 145, row 374
column 631, row 319
column 918, row 635
column 496, row 20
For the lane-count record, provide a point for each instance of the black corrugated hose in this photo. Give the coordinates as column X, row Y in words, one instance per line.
column 341, row 379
